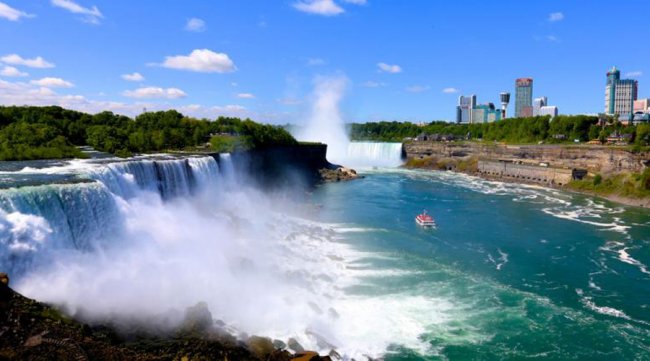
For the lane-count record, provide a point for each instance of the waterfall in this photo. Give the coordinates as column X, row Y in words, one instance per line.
column 374, row 154
column 37, row 221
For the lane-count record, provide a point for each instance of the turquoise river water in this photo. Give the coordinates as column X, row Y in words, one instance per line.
column 511, row 272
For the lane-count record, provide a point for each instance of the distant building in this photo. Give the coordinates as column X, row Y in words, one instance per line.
column 464, row 109
column 538, row 103
column 505, row 100
column 523, row 97
column 620, row 94
column 485, row 113
column 548, row 110
column 642, row 106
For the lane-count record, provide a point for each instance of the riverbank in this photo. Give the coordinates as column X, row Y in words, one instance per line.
column 613, row 173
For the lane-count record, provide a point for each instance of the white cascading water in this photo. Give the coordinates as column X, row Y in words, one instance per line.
column 374, row 154
column 326, row 125
column 149, row 238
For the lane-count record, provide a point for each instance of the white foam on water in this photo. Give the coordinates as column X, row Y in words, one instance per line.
column 625, row 257
column 603, row 310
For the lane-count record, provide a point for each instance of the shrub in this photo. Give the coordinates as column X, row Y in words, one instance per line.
column 598, row 179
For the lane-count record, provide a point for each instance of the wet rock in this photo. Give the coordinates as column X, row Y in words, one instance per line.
column 279, row 344
column 306, row 356
column 198, row 319
column 334, row 355
column 280, row 355
column 262, row 347
column 30, row 330
column 294, row 345
column 338, row 174
column 320, row 340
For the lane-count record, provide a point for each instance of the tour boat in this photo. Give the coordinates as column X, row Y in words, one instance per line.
column 425, row 220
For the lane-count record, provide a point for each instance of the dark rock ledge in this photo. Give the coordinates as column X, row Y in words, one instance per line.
column 30, row 330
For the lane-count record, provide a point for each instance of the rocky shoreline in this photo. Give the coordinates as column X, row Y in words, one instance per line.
column 464, row 157
column 30, row 330
column 338, row 174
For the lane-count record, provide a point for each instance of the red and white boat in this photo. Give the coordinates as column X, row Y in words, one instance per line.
column 425, row 220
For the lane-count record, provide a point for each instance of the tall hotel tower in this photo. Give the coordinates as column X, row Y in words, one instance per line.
column 524, row 97
column 620, row 94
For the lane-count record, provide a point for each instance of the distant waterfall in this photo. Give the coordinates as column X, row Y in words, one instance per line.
column 374, row 154
column 82, row 216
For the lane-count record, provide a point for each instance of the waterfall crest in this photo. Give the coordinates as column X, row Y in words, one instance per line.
column 374, row 154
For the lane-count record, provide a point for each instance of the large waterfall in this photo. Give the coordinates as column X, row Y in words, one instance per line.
column 374, row 154
column 146, row 238
column 37, row 221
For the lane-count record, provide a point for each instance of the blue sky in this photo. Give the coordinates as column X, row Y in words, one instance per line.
column 403, row 60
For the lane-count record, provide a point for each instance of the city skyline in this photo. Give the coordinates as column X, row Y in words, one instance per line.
column 261, row 60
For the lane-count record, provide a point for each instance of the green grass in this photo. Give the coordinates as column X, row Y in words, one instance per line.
column 631, row 185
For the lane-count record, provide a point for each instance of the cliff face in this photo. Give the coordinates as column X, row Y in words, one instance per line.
column 595, row 159
column 283, row 166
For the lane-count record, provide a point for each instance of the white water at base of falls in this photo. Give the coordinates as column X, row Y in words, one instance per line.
column 151, row 237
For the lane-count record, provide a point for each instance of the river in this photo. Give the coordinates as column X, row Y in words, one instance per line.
column 511, row 272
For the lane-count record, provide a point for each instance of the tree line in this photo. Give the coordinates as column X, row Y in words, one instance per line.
column 563, row 128
column 28, row 132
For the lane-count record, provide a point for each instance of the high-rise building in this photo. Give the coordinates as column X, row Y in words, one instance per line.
column 538, row 103
column 523, row 97
column 464, row 109
column 548, row 110
column 620, row 94
column 485, row 113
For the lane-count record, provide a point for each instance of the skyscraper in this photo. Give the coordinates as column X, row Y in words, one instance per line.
column 524, row 97
column 464, row 109
column 538, row 103
column 620, row 94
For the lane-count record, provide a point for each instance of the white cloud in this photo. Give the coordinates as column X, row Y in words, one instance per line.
column 315, row 61
column 246, row 96
column 133, row 77
column 356, row 2
column 372, row 84
column 155, row 92
column 91, row 15
column 52, row 83
column 554, row 17
column 195, row 24
column 21, row 93
column 634, row 74
column 418, row 88
column 319, row 7
column 393, row 69
column 37, row 62
column 12, row 14
column 10, row 71
column 201, row 60
column 450, row 90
